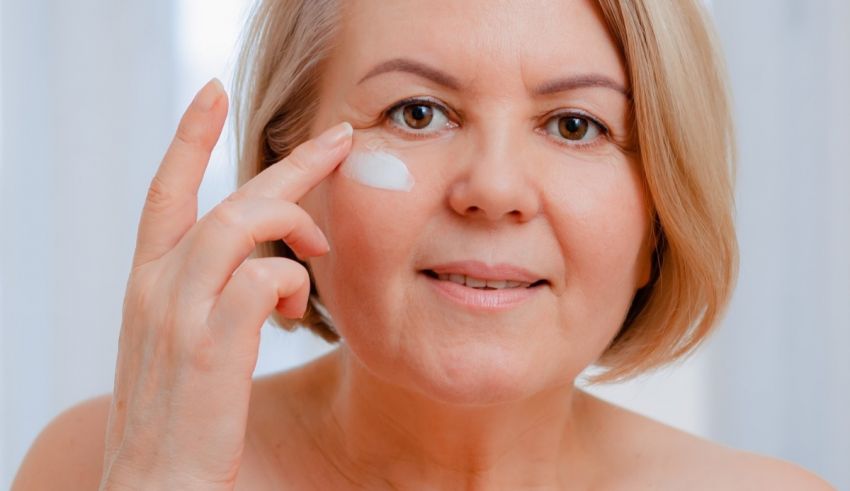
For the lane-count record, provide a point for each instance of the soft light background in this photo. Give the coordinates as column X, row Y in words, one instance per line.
column 92, row 91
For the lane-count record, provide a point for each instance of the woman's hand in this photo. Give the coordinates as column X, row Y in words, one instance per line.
column 194, row 306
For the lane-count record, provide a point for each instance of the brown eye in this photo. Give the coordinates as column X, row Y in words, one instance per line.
column 574, row 128
column 418, row 116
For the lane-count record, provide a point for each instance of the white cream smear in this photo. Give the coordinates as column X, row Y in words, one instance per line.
column 377, row 169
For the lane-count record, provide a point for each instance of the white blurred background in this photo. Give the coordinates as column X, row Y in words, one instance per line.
column 92, row 91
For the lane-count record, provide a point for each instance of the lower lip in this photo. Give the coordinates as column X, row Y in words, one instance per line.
column 482, row 300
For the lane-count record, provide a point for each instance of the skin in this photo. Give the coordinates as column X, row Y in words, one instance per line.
column 493, row 189
column 423, row 394
column 475, row 401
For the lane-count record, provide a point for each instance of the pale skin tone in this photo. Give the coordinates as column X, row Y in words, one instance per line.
column 423, row 394
column 477, row 402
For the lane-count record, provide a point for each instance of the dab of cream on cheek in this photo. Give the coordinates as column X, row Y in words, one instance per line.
column 377, row 168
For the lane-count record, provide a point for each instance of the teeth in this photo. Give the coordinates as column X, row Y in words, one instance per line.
column 475, row 282
column 479, row 283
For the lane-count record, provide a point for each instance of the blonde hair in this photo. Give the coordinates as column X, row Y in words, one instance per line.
column 685, row 140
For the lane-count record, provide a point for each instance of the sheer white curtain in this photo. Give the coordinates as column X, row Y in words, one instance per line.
column 91, row 92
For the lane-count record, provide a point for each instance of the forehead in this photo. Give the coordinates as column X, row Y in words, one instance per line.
column 485, row 44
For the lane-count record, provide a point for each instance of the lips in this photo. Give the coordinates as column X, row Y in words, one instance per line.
column 479, row 275
column 484, row 288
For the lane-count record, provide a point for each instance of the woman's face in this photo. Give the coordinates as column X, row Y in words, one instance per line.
column 516, row 144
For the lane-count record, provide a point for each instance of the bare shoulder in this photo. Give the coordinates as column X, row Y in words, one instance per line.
column 68, row 453
column 69, row 450
column 660, row 456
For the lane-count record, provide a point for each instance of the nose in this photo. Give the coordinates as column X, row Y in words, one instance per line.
column 496, row 182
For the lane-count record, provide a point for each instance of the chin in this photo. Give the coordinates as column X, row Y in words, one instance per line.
column 457, row 359
column 479, row 375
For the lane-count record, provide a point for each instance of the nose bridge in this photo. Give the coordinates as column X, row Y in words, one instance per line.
column 496, row 180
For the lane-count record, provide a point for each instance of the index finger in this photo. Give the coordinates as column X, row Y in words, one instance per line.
column 304, row 167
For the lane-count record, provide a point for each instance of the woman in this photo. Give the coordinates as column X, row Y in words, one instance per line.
column 479, row 200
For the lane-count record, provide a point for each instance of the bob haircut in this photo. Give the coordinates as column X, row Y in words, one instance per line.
column 684, row 134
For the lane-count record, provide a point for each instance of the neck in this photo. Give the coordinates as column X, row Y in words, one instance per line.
column 375, row 432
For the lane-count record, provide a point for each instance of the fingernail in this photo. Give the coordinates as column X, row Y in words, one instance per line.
column 209, row 95
column 335, row 135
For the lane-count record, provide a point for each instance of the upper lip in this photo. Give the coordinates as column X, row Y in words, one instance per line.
column 484, row 271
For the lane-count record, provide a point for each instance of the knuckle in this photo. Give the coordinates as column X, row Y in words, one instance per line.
column 302, row 275
column 235, row 195
column 299, row 159
column 293, row 210
column 187, row 136
column 204, row 353
column 294, row 216
column 285, row 211
column 296, row 273
column 224, row 226
column 227, row 214
column 255, row 272
column 159, row 196
column 151, row 303
column 140, row 298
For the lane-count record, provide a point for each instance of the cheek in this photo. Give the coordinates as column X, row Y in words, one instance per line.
column 372, row 233
column 376, row 204
column 602, row 225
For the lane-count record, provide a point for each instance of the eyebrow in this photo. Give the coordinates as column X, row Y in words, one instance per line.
column 580, row 81
column 416, row 68
column 442, row 78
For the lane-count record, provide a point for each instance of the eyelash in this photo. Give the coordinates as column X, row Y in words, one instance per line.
column 603, row 130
